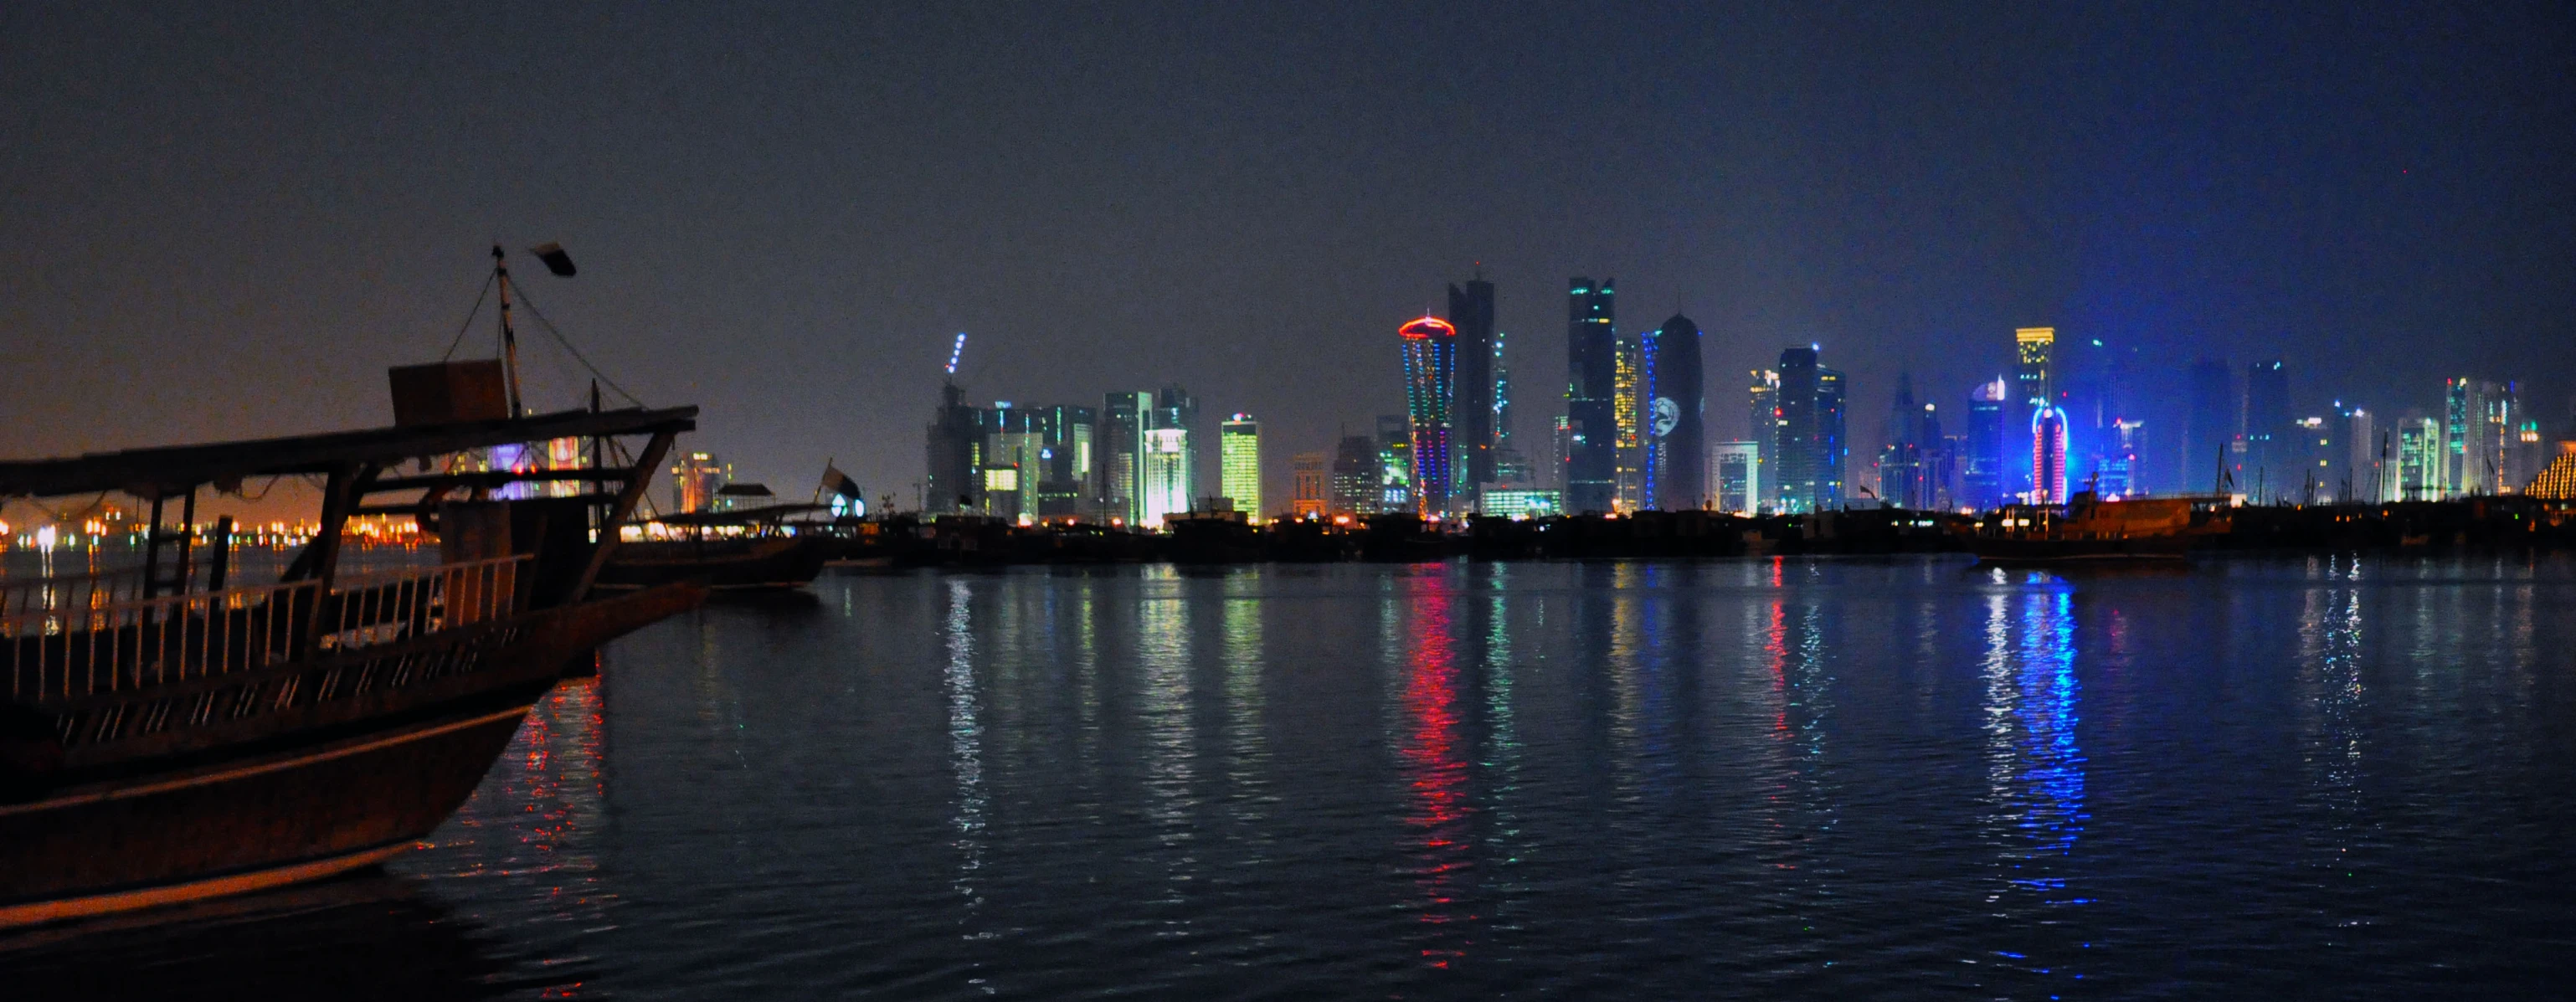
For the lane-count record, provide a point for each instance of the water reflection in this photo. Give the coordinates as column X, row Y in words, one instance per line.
column 2035, row 768
column 1435, row 773
column 1163, row 648
column 965, row 751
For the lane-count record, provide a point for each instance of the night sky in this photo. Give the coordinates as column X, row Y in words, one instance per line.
column 227, row 220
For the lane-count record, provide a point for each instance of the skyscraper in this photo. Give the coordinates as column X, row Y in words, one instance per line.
column 1175, row 409
column 2035, row 346
column 1735, row 476
column 1165, row 487
column 2210, row 426
column 2268, row 470
column 1982, row 475
column 1356, row 473
column 1676, row 439
column 1809, row 441
column 1906, row 453
column 2048, row 455
column 1628, row 400
column 1310, row 483
column 1833, row 448
column 1394, row 463
column 1430, row 401
column 1762, row 428
column 1592, row 424
column 1502, row 400
column 695, row 479
column 1068, row 436
column 1471, row 416
column 1121, row 468
column 950, row 482
column 1239, row 463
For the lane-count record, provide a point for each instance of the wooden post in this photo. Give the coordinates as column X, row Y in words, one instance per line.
column 223, row 544
column 187, row 542
column 152, row 551
column 637, row 480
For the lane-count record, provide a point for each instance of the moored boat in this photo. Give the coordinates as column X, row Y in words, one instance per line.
column 743, row 550
column 169, row 735
column 2087, row 529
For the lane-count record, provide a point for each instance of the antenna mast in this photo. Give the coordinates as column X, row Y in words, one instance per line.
column 509, row 337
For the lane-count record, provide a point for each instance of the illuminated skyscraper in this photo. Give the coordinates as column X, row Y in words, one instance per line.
column 1471, row 415
column 1676, row 441
column 1810, row 442
column 695, row 479
column 1981, row 476
column 1592, row 417
column 1394, row 463
column 1166, row 487
column 1735, row 476
column 1628, row 401
column 1239, row 462
column 1356, row 473
column 2048, row 455
column 1310, row 482
column 1430, row 381
column 2035, row 346
column 1762, row 428
column 1068, row 441
column 1502, row 401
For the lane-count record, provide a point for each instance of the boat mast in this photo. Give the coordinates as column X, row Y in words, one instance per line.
column 509, row 337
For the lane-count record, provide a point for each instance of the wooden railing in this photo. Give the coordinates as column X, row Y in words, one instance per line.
column 74, row 649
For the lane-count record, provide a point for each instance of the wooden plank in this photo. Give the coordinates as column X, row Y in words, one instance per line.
column 619, row 511
column 423, row 508
column 496, row 478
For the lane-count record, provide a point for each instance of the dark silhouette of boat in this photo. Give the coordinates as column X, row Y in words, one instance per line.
column 168, row 735
column 2090, row 529
column 750, row 549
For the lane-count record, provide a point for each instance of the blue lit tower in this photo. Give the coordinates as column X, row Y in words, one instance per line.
column 2048, row 455
column 1981, row 478
column 1592, row 420
column 1676, row 441
column 1430, row 400
column 1794, row 437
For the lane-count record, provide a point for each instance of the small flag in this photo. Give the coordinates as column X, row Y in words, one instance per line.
column 553, row 255
column 840, row 483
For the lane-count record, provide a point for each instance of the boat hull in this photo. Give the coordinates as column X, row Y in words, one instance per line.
column 316, row 786
column 728, row 565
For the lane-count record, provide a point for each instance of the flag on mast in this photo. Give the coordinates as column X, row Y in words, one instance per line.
column 837, row 482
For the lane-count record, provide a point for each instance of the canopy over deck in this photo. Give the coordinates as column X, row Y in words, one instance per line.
column 742, row 516
column 171, row 470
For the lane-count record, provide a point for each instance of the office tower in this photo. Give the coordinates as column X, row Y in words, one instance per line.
column 1905, row 450
column 1008, row 461
column 1165, row 490
column 2365, row 475
column 1175, row 409
column 1430, row 401
column 1310, row 484
column 2048, row 455
column 2117, row 471
column 1735, row 476
column 1067, row 437
column 1833, row 450
column 1395, row 463
column 1591, row 373
column 1356, row 473
column 1560, row 440
column 2209, row 427
column 949, row 484
column 1794, row 433
column 695, row 479
column 1471, row 402
column 1810, row 442
column 2423, row 459
column 2035, row 347
column 1239, row 463
column 1981, row 474
column 1676, row 439
column 2268, row 470
column 1628, row 402
column 2481, row 427
column 1119, row 440
column 1502, row 401
column 1762, row 428
column 2525, row 455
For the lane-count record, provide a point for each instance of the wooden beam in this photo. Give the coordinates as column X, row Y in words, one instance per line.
column 496, row 478
column 426, row 507
column 174, row 469
column 649, row 459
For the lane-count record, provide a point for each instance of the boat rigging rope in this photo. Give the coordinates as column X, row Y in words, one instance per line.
column 469, row 319
column 549, row 325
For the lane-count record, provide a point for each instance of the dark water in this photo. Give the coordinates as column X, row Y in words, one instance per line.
column 2310, row 778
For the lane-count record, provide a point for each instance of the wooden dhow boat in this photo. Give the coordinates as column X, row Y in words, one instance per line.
column 750, row 549
column 169, row 735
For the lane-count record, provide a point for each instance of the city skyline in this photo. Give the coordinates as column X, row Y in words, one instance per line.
column 2378, row 199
